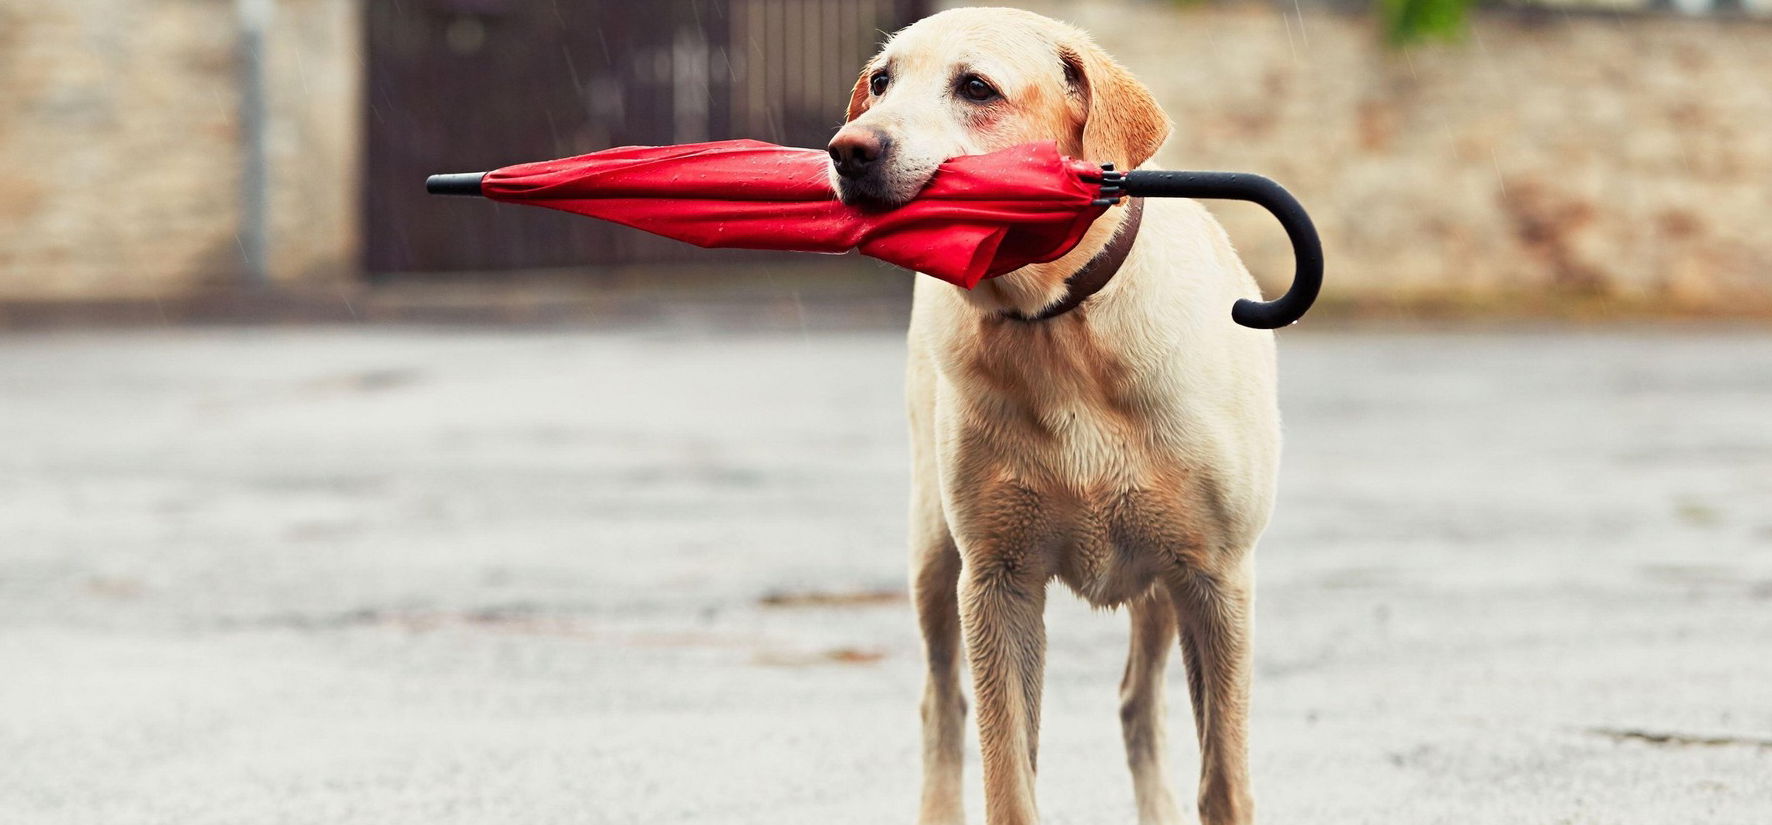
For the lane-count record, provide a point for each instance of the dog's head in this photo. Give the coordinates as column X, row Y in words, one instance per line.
column 970, row 81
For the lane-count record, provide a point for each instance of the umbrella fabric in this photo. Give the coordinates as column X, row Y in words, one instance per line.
column 979, row 217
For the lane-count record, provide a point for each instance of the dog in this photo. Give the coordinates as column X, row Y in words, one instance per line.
column 1099, row 419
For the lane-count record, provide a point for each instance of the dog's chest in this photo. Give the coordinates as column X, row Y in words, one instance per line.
column 1086, row 459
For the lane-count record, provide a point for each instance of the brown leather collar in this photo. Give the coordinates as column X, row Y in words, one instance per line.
column 1098, row 271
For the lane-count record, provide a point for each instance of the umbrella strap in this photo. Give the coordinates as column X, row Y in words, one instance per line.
column 1095, row 274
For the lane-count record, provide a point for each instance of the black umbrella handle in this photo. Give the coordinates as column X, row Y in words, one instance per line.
column 1307, row 249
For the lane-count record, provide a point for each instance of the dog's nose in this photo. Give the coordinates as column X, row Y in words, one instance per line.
column 855, row 152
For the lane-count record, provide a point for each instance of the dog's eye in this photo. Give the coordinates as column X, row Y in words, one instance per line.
column 877, row 83
column 975, row 89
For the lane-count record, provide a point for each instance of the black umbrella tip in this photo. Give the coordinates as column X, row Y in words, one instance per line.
column 459, row 183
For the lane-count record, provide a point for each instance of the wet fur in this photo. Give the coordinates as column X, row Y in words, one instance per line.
column 1127, row 448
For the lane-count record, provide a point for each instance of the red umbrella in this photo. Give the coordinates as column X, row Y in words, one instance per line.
column 980, row 215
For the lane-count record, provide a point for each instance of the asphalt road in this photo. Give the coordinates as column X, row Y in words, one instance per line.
column 400, row 575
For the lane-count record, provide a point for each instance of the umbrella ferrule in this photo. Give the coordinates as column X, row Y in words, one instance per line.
column 457, row 183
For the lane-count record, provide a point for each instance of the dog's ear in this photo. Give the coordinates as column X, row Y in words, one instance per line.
column 858, row 97
column 1121, row 120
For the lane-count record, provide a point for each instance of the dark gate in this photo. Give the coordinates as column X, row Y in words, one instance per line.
column 462, row 85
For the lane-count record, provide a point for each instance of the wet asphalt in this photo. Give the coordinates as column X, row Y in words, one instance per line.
column 496, row 575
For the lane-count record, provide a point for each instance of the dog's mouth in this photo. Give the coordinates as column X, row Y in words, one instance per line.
column 871, row 193
column 885, row 188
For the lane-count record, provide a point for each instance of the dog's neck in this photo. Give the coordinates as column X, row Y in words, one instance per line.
column 1041, row 292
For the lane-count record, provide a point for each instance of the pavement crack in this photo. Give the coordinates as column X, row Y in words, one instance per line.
column 1675, row 739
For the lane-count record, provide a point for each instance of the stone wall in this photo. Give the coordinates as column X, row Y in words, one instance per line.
column 1614, row 160
column 1608, row 160
column 119, row 145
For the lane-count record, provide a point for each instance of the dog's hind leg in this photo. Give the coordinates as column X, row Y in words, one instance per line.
column 935, row 574
column 935, row 578
column 1215, row 610
column 1141, row 708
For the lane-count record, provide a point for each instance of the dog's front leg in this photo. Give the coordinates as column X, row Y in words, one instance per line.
column 1002, row 606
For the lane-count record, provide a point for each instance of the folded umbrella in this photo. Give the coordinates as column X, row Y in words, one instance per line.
column 980, row 216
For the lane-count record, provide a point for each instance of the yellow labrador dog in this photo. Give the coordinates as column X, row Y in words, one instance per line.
column 1098, row 420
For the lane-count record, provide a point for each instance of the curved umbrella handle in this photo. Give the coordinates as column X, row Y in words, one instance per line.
column 1307, row 248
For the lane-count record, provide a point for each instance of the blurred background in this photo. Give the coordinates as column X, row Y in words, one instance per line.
column 321, row 498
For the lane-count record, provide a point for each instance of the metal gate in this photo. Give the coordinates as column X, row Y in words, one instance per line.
column 458, row 85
